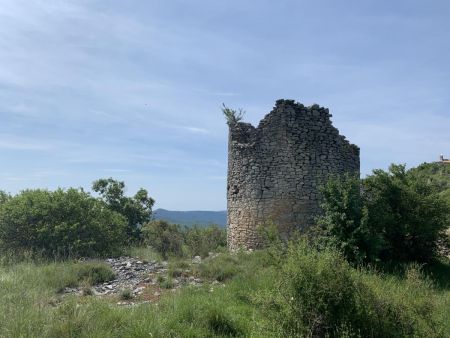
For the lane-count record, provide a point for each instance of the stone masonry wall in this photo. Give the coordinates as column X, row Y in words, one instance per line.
column 276, row 169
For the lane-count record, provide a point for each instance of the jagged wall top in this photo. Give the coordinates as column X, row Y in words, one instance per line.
column 276, row 168
column 245, row 134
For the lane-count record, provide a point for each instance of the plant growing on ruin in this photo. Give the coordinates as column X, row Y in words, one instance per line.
column 232, row 116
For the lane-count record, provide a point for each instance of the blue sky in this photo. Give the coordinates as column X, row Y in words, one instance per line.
column 133, row 89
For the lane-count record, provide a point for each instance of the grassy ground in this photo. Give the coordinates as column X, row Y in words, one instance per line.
column 259, row 288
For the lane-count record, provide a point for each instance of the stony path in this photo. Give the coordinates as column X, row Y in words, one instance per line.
column 139, row 276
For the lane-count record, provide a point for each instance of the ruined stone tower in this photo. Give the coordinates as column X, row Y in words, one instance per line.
column 276, row 169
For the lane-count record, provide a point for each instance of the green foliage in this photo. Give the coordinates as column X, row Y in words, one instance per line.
column 201, row 241
column 436, row 174
column 409, row 211
column 59, row 223
column 166, row 283
column 126, row 294
column 4, row 197
column 95, row 273
column 345, row 220
column 319, row 294
column 221, row 324
column 143, row 252
column 399, row 216
column 221, row 268
column 137, row 209
column 171, row 240
column 232, row 116
column 315, row 294
column 249, row 305
column 164, row 237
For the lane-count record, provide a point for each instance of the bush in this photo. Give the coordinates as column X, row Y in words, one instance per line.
column 315, row 293
column 345, row 220
column 220, row 268
column 221, row 324
column 408, row 210
column 165, row 238
column 318, row 294
column 398, row 217
column 95, row 273
column 126, row 294
column 59, row 223
column 201, row 241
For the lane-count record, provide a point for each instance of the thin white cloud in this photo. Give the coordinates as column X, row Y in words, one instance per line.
column 11, row 142
column 197, row 130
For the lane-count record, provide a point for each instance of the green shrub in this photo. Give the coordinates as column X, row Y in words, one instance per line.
column 399, row 216
column 201, row 241
column 164, row 237
column 95, row 273
column 220, row 268
column 410, row 212
column 126, row 294
column 318, row 293
column 220, row 323
column 166, row 283
column 315, row 293
column 60, row 223
column 143, row 252
column 345, row 220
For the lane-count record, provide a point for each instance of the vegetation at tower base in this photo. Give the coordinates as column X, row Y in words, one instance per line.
column 299, row 292
column 397, row 215
column 275, row 170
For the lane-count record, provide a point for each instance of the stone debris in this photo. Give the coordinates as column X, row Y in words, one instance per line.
column 136, row 275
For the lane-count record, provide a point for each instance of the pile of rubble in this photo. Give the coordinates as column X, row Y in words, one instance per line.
column 136, row 275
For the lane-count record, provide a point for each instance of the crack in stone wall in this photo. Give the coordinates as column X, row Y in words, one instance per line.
column 276, row 169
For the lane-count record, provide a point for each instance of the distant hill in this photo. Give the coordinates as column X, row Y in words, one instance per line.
column 190, row 218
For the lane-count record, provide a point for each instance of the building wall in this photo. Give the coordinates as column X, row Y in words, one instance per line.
column 275, row 170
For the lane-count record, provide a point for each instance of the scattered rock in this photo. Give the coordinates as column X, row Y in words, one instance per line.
column 137, row 275
column 196, row 260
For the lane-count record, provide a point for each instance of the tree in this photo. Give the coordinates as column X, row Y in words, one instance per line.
column 137, row 209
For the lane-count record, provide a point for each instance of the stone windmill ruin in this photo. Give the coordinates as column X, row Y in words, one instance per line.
column 275, row 170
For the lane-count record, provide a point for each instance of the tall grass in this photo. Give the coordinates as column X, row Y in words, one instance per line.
column 306, row 293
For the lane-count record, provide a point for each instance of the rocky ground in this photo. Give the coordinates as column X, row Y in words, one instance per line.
column 138, row 281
